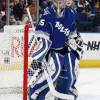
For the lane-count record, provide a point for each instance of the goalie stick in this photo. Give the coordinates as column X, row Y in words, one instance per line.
column 30, row 18
column 48, row 76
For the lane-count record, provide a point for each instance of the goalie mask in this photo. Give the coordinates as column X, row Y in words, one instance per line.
column 59, row 7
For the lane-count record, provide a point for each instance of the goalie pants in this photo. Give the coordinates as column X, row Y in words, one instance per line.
column 64, row 77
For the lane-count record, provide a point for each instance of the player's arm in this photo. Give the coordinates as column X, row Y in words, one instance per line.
column 42, row 35
column 75, row 41
column 43, row 46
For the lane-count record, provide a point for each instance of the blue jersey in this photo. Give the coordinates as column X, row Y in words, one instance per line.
column 59, row 28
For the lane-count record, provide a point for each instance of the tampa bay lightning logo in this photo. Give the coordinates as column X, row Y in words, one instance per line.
column 61, row 28
column 46, row 12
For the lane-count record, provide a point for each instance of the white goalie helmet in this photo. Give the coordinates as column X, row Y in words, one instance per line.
column 59, row 5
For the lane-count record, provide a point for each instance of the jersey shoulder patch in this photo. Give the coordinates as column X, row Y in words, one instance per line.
column 46, row 12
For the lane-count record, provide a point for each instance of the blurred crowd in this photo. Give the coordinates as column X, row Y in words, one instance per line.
column 88, row 13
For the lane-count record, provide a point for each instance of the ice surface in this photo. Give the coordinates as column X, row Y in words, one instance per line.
column 88, row 85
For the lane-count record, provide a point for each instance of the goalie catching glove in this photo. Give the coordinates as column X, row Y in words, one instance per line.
column 35, row 70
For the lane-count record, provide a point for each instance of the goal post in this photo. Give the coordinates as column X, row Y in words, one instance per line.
column 26, row 31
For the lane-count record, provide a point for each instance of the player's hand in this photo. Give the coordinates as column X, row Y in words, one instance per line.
column 71, row 43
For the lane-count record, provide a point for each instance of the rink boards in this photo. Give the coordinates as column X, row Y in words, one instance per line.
column 90, row 59
column 90, row 63
column 91, row 55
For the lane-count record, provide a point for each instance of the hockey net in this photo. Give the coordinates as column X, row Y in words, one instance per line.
column 14, row 62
